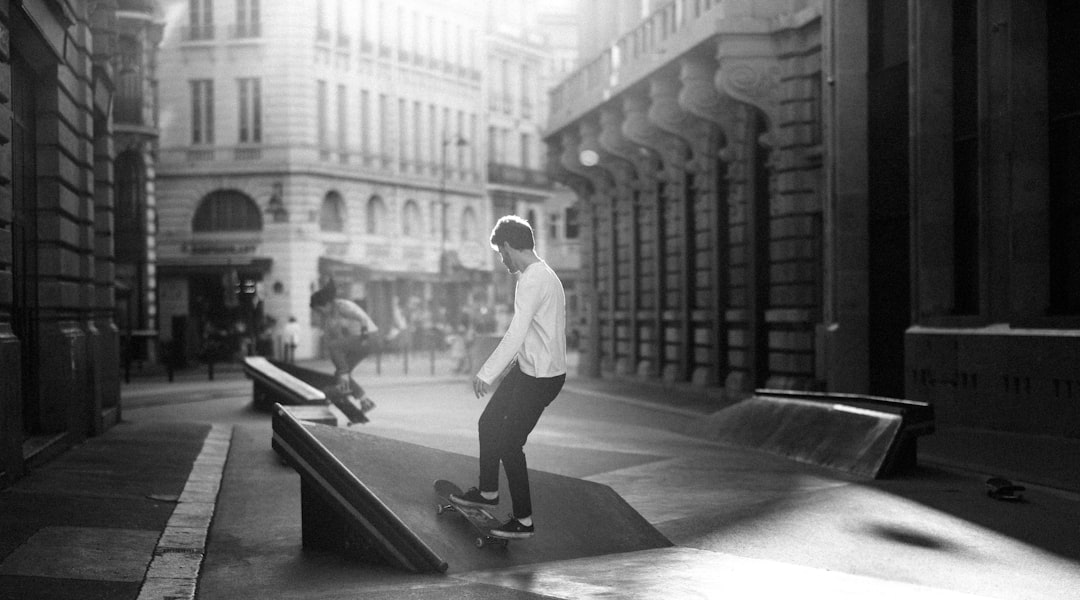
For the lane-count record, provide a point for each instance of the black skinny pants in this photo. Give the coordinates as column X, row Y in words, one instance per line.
column 505, row 424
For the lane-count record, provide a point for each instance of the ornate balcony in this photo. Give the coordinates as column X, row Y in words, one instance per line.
column 518, row 176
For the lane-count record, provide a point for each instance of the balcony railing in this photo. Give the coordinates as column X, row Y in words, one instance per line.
column 511, row 175
column 129, row 107
column 668, row 32
column 252, row 29
column 193, row 33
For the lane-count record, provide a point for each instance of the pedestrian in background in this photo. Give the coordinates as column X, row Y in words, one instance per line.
column 348, row 333
column 291, row 339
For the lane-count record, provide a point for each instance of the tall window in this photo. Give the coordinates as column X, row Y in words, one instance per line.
column 493, row 144
column 200, row 19
column 526, row 95
column 474, row 126
column 1063, row 73
column 130, row 188
column 504, row 86
column 526, row 151
column 367, row 30
column 403, row 140
column 434, row 138
column 418, row 135
column 965, row 158
column 342, row 119
column 460, row 147
column 130, row 81
column 332, row 213
column 248, row 18
column 384, row 128
column 573, row 224
column 411, row 224
column 376, row 216
column 322, row 32
column 227, row 210
column 365, row 123
column 554, row 225
column 469, row 228
column 321, row 108
column 202, row 111
column 250, row 100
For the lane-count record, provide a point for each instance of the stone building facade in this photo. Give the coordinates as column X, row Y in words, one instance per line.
column 870, row 197
column 694, row 140
column 303, row 142
column 59, row 344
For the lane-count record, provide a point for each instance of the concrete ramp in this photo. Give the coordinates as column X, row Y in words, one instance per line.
column 867, row 436
column 379, row 492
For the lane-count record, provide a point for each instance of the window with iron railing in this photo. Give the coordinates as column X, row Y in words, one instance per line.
column 202, row 111
column 200, row 20
column 249, row 99
column 129, row 83
column 248, row 17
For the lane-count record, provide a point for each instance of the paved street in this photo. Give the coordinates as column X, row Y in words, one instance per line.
column 744, row 523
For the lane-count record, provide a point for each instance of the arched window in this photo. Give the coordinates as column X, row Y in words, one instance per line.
column 227, row 210
column 469, row 231
column 332, row 213
column 410, row 219
column 376, row 216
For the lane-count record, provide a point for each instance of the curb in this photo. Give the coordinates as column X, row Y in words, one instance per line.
column 174, row 570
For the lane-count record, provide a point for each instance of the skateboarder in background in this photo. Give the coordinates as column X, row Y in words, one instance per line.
column 348, row 332
column 534, row 349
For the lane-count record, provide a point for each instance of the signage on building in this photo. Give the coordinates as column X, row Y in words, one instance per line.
column 203, row 248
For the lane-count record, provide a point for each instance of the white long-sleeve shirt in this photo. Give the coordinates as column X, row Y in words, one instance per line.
column 536, row 336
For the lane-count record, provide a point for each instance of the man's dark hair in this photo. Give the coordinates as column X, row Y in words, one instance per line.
column 513, row 230
column 325, row 295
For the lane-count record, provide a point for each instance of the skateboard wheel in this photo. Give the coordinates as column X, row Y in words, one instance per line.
column 439, row 509
column 479, row 542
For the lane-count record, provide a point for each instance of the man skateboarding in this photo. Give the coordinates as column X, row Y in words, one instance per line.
column 534, row 349
column 348, row 333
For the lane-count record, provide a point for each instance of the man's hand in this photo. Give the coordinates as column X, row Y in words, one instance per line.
column 343, row 383
column 479, row 387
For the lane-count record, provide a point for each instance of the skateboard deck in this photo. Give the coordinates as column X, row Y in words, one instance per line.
column 352, row 404
column 1000, row 488
column 481, row 520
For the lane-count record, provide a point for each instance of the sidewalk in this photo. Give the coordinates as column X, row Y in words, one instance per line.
column 150, row 488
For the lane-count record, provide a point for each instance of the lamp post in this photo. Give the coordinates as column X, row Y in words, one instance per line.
column 459, row 142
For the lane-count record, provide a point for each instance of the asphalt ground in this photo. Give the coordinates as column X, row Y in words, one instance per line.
column 744, row 523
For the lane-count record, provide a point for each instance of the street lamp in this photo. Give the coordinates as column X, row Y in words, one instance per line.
column 458, row 142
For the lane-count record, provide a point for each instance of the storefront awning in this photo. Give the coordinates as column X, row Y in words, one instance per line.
column 212, row 265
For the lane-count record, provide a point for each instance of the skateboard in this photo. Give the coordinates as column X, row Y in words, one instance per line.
column 347, row 402
column 1000, row 488
column 480, row 519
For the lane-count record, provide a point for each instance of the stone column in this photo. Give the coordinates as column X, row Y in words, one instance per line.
column 611, row 217
column 591, row 185
column 748, row 73
column 846, row 315
column 674, row 156
column 637, row 165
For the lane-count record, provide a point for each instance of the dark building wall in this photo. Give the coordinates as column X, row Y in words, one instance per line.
column 994, row 341
column 57, row 344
